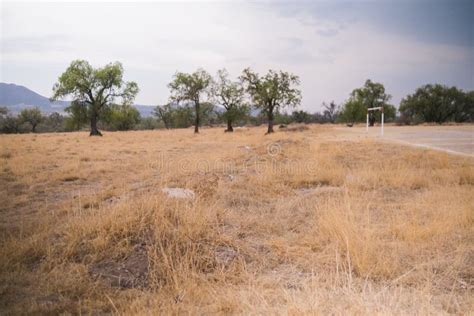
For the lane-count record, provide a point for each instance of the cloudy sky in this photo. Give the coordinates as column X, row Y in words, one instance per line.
column 334, row 46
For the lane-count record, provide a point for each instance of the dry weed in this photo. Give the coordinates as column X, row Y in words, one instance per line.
column 289, row 223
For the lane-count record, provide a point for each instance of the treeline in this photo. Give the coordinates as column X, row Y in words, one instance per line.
column 429, row 104
column 438, row 104
column 124, row 118
column 118, row 117
column 103, row 100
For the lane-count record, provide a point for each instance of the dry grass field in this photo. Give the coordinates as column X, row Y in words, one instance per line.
column 302, row 221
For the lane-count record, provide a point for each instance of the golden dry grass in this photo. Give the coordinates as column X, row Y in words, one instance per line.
column 298, row 222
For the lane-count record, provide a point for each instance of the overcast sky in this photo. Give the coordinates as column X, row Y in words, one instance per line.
column 334, row 46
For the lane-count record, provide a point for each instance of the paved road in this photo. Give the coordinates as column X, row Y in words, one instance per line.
column 452, row 139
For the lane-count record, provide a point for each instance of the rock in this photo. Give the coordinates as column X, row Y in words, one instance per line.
column 179, row 193
column 224, row 254
column 318, row 190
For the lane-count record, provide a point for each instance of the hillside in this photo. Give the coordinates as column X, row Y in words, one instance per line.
column 16, row 98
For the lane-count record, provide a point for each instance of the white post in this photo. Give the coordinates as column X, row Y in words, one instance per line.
column 382, row 122
column 367, row 124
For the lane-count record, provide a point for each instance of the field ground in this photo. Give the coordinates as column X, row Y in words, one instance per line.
column 311, row 219
column 453, row 139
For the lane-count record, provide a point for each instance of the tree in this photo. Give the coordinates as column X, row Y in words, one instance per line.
column 55, row 121
column 123, row 117
column 438, row 103
column 300, row 116
column 3, row 111
column 389, row 113
column 353, row 111
column 191, row 87
column 32, row 116
column 165, row 113
column 207, row 113
column 148, row 123
column 372, row 94
column 183, row 117
column 272, row 92
column 464, row 107
column 231, row 96
column 11, row 124
column 330, row 111
column 93, row 90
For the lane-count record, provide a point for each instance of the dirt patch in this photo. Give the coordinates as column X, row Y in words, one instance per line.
column 132, row 272
column 179, row 193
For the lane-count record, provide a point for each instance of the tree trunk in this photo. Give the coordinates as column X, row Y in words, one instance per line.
column 33, row 128
column 196, row 125
column 270, row 121
column 229, row 126
column 371, row 119
column 94, row 130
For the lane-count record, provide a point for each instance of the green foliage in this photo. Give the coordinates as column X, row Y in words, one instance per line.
column 147, row 123
column 353, row 111
column 272, row 92
column 31, row 119
column 191, row 88
column 283, row 118
column 55, row 122
column 11, row 124
column 32, row 116
column 207, row 113
column 389, row 113
column 122, row 117
column 183, row 116
column 372, row 94
column 165, row 114
column 300, row 116
column 231, row 96
column 438, row 103
column 93, row 91
column 78, row 115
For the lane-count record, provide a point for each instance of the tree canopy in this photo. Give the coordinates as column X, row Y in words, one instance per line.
column 93, row 90
column 122, row 117
column 372, row 94
column 165, row 114
column 438, row 103
column 353, row 111
column 272, row 92
column 231, row 95
column 191, row 87
column 33, row 116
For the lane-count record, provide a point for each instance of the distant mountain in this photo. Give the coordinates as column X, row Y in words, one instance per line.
column 16, row 98
column 145, row 110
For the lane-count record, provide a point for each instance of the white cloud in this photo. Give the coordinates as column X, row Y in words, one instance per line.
column 153, row 40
